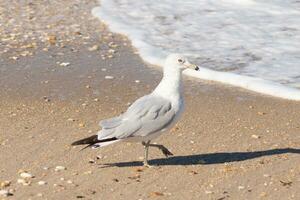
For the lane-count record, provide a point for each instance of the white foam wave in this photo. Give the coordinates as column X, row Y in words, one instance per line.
column 250, row 83
column 253, row 44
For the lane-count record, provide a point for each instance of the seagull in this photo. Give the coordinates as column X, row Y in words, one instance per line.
column 149, row 116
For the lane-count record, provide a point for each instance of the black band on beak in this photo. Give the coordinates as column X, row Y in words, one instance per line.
column 197, row 68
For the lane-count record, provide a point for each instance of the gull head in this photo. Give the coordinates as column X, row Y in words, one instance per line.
column 179, row 62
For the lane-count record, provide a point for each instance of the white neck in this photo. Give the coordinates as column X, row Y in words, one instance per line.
column 170, row 86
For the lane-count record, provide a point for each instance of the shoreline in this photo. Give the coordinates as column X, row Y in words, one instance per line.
column 155, row 55
column 225, row 133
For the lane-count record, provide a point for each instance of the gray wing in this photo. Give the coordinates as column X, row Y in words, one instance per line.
column 145, row 116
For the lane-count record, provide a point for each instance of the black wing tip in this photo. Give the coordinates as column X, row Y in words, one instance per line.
column 89, row 140
column 92, row 140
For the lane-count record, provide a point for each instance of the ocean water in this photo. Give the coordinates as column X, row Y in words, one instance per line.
column 254, row 44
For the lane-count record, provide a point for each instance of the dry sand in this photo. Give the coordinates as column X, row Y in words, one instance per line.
column 230, row 143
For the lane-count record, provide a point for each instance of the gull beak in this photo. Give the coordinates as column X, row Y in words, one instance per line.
column 191, row 66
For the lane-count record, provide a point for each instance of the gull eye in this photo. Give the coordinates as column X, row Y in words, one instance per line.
column 180, row 61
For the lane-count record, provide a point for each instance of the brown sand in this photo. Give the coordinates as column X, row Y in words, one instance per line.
column 230, row 143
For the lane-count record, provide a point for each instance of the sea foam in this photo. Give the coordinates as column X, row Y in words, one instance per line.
column 253, row 44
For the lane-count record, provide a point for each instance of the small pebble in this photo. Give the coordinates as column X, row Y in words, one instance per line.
column 98, row 157
column 92, row 191
column 156, row 194
column 52, row 39
column 26, row 175
column 14, row 58
column 241, row 187
column 111, row 51
column 261, row 113
column 255, row 136
column 4, row 184
column 91, row 161
column 81, row 125
column 193, row 172
column 109, row 77
column 42, row 182
column 140, row 169
column 5, row 193
column 93, row 48
column 64, row 64
column 23, row 182
column 46, row 99
column 115, row 180
column 59, row 168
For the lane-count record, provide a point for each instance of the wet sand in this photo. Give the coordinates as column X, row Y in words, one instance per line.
column 230, row 143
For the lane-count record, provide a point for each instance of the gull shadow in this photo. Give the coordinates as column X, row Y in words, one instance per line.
column 206, row 159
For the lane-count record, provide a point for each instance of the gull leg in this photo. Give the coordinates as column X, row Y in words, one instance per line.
column 146, row 146
column 163, row 149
